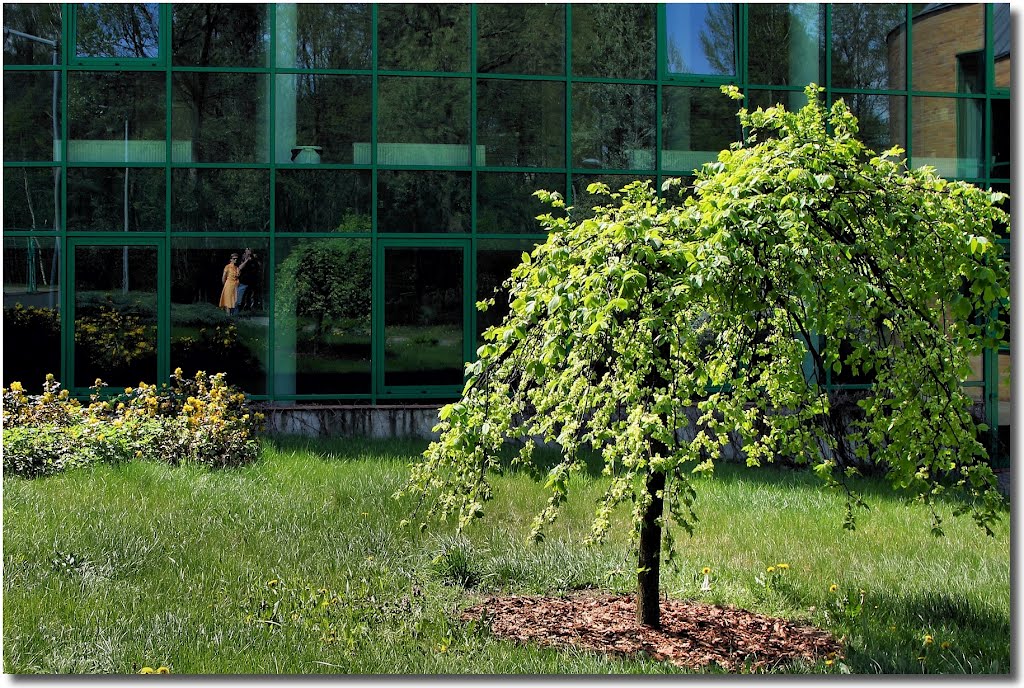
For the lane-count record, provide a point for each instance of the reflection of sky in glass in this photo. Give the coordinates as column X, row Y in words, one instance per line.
column 128, row 30
column 687, row 24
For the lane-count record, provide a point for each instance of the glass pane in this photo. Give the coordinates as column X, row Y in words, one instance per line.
column 787, row 44
column 701, row 38
column 117, row 117
column 1001, row 151
column 696, row 124
column 948, row 48
column 882, row 119
column 323, row 200
column 116, row 199
column 421, row 121
column 520, row 39
column 115, row 292
column 31, row 310
column 220, row 117
column 1001, row 43
column 118, row 30
column 220, row 35
column 521, row 123
column 32, row 116
column 869, row 46
column 613, row 126
column 322, row 118
column 38, row 37
column 505, row 202
column 219, row 309
column 322, row 316
column 414, row 201
column 322, row 36
column 583, row 203
column 423, row 316
column 220, row 200
column 32, row 198
column 766, row 98
column 614, row 40
column 495, row 260
column 947, row 134
column 423, row 38
column 1005, row 401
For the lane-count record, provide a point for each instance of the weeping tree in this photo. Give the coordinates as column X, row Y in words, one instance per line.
column 659, row 335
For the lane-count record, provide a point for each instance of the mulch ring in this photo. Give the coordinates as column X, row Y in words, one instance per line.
column 692, row 635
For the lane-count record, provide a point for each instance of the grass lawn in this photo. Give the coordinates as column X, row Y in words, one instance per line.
column 297, row 564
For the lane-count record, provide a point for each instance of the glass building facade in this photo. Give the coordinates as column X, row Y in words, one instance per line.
column 372, row 165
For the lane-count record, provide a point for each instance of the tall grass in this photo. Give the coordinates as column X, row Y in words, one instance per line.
column 114, row 568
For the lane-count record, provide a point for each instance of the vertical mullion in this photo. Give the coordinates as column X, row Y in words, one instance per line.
column 271, row 383
column 568, row 105
column 659, row 43
column 908, row 83
column 376, row 261
column 164, row 300
column 469, row 338
column 827, row 30
column 62, row 244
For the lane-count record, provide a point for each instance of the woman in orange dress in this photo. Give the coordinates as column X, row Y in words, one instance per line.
column 229, row 278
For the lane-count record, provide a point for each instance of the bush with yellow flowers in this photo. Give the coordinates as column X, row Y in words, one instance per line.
column 200, row 420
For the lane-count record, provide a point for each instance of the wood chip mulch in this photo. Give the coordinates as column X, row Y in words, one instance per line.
column 693, row 635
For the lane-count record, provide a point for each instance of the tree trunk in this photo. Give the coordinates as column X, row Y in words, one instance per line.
column 648, row 609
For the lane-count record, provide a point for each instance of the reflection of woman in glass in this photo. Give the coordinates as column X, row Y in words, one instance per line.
column 229, row 278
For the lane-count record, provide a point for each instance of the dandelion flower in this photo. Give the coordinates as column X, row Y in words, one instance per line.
column 782, row 566
column 272, row 583
column 147, row 670
column 833, row 588
column 829, row 662
column 706, row 570
column 946, row 645
column 163, row 670
column 771, row 569
column 928, row 640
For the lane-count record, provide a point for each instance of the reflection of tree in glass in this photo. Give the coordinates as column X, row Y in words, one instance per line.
column 718, row 38
column 786, row 43
column 613, row 126
column 614, row 40
column 111, row 30
column 521, row 39
column 332, row 36
column 35, row 19
column 423, row 37
column 423, row 201
column 220, row 35
column 323, row 280
column 224, row 116
column 860, row 53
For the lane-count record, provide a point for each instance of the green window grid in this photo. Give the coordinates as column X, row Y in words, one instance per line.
column 68, row 64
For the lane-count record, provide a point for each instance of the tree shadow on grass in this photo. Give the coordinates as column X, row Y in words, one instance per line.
column 965, row 636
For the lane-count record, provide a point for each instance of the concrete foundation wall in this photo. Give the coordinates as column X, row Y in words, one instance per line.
column 379, row 422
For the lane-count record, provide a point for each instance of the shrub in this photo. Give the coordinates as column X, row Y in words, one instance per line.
column 200, row 420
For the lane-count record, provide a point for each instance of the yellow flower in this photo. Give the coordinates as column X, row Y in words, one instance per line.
column 706, row 570
column 163, row 670
column 771, row 569
column 16, row 387
column 272, row 583
column 147, row 670
column 782, row 566
column 946, row 645
column 829, row 662
column 928, row 640
column 833, row 588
